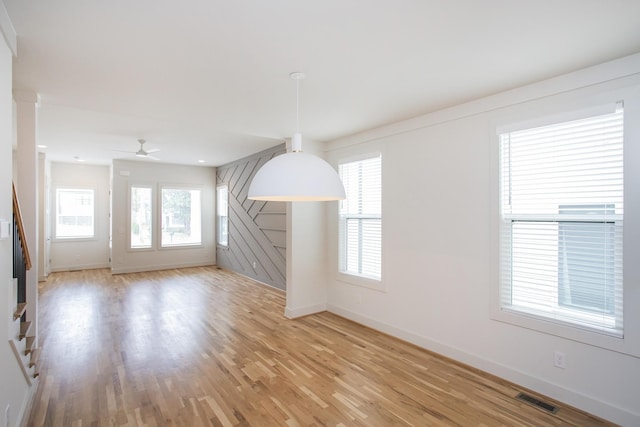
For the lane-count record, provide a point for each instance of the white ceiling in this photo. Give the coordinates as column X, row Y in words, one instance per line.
column 209, row 79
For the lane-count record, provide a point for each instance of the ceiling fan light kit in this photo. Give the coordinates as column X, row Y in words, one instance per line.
column 296, row 176
column 144, row 153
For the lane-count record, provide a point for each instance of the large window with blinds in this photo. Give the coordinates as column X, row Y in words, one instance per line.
column 562, row 213
column 360, row 218
column 222, row 215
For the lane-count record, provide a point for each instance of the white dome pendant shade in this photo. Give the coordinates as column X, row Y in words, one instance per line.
column 296, row 176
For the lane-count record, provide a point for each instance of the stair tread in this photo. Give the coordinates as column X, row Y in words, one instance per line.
column 20, row 309
column 30, row 342
column 35, row 355
column 24, row 329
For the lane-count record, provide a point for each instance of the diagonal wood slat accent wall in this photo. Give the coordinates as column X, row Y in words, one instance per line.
column 257, row 230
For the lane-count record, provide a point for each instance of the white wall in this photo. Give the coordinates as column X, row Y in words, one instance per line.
column 440, row 244
column 81, row 254
column 127, row 173
column 14, row 391
column 306, row 251
column 44, row 216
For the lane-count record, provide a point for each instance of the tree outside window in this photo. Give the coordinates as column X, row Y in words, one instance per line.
column 74, row 213
column 181, row 217
column 141, row 217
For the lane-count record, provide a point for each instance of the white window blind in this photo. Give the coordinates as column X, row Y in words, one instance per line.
column 360, row 233
column 222, row 213
column 562, row 219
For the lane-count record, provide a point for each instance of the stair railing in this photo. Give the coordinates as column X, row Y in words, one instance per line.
column 20, row 228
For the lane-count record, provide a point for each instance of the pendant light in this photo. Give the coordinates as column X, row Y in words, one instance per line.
column 296, row 176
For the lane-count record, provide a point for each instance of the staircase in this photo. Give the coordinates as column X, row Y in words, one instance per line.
column 23, row 344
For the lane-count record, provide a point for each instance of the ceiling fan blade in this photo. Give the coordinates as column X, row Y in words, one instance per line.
column 141, row 152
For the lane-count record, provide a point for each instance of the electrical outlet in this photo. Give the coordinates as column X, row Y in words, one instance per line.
column 559, row 360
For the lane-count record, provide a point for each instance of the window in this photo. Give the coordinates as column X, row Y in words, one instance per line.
column 360, row 222
column 562, row 222
column 141, row 214
column 74, row 213
column 592, row 244
column 222, row 211
column 181, row 217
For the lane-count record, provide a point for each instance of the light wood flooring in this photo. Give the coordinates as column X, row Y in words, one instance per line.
column 206, row 347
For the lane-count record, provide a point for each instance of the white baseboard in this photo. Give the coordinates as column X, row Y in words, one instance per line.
column 25, row 411
column 154, row 267
column 293, row 313
column 253, row 279
column 554, row 391
column 78, row 267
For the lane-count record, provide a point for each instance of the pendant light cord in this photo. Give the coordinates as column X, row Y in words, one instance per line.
column 296, row 139
column 297, row 105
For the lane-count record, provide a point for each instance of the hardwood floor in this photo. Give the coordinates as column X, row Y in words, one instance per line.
column 206, row 347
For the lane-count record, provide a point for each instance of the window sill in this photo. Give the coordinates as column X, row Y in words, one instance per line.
column 185, row 246
column 574, row 333
column 376, row 285
column 74, row 239
column 141, row 249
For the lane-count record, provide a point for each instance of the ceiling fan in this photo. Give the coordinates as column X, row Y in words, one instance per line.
column 142, row 152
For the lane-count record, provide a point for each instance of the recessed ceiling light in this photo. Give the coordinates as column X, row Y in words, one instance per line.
column 78, row 159
column 42, row 146
column 200, row 161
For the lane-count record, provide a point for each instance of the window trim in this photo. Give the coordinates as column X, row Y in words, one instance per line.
column 354, row 279
column 54, row 228
column 556, row 107
column 154, row 237
column 551, row 310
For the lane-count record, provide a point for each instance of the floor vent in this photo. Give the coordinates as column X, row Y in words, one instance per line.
column 537, row 402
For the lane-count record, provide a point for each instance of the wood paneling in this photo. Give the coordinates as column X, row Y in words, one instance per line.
column 257, row 230
column 207, row 347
